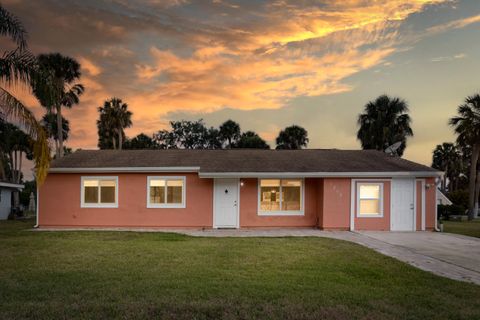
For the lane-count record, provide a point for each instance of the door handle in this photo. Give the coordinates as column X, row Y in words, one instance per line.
column 412, row 206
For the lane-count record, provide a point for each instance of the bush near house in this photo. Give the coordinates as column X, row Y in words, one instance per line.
column 459, row 197
column 445, row 211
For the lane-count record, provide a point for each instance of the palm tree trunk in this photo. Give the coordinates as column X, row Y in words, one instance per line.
column 2, row 168
column 120, row 138
column 114, row 142
column 477, row 194
column 20, row 166
column 59, row 131
column 472, row 181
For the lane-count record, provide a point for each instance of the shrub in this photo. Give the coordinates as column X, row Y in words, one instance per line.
column 444, row 211
column 459, row 198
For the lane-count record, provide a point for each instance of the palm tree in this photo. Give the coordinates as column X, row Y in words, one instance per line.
column 467, row 125
column 384, row 122
column 229, row 132
column 447, row 158
column 293, row 137
column 114, row 117
column 18, row 67
column 49, row 123
column 56, row 87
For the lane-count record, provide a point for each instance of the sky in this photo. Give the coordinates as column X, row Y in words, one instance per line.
column 264, row 64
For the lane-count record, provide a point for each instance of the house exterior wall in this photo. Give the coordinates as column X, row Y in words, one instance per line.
column 419, row 207
column 5, row 202
column 430, row 204
column 374, row 223
column 327, row 204
column 336, row 204
column 249, row 217
column 60, row 203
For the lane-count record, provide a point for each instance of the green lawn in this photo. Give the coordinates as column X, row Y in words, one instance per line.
column 467, row 228
column 153, row 275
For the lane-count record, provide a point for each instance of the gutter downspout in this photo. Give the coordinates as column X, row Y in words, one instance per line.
column 37, row 210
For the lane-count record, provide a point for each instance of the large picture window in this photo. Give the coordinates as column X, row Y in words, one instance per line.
column 99, row 192
column 369, row 200
column 166, row 192
column 280, row 196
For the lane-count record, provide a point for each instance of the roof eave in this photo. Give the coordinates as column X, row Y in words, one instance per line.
column 12, row 185
column 123, row 169
column 390, row 174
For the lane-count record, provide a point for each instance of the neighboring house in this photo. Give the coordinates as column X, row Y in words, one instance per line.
column 243, row 188
column 6, row 190
column 442, row 198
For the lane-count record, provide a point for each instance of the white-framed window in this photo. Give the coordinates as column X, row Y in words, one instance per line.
column 280, row 197
column 99, row 192
column 369, row 199
column 166, row 192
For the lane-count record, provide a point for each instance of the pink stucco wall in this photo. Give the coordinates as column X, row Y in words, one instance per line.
column 418, row 198
column 374, row 223
column 59, row 204
column 336, row 204
column 430, row 204
column 327, row 205
column 249, row 217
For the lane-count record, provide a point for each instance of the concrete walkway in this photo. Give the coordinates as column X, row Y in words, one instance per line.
column 453, row 256
column 448, row 255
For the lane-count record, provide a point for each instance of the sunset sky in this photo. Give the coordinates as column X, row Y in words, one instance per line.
column 264, row 64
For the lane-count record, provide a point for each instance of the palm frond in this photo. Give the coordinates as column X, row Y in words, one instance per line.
column 17, row 67
column 13, row 109
column 12, row 27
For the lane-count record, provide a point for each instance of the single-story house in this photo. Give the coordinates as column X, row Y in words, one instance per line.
column 243, row 188
column 6, row 190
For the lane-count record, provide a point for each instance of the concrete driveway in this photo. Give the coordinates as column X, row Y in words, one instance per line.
column 446, row 254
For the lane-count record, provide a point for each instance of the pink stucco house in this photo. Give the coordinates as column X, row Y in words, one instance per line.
column 327, row 189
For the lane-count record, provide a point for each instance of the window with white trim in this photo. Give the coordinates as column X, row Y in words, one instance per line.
column 166, row 192
column 99, row 192
column 281, row 196
column 370, row 199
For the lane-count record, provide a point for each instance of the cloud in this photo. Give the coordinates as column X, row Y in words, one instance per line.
column 449, row 58
column 204, row 56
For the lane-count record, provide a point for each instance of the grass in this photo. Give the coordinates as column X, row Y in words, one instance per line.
column 467, row 228
column 85, row 275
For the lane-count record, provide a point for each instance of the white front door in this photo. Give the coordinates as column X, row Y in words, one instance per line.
column 403, row 205
column 225, row 206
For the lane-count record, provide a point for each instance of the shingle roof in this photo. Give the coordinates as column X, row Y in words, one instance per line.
column 243, row 160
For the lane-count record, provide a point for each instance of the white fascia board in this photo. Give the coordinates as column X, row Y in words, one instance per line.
column 124, row 169
column 320, row 174
column 11, row 185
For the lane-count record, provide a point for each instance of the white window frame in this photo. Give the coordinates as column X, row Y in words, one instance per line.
column 380, row 200
column 98, row 205
column 167, row 205
column 300, row 212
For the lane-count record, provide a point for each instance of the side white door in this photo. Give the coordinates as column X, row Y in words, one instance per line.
column 403, row 205
column 225, row 207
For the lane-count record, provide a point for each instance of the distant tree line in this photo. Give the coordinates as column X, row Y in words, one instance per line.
column 114, row 117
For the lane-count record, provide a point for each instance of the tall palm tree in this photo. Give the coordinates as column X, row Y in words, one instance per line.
column 293, row 137
column 18, row 67
column 384, row 122
column 447, row 158
column 467, row 125
column 229, row 132
column 114, row 118
column 50, row 125
column 56, row 87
